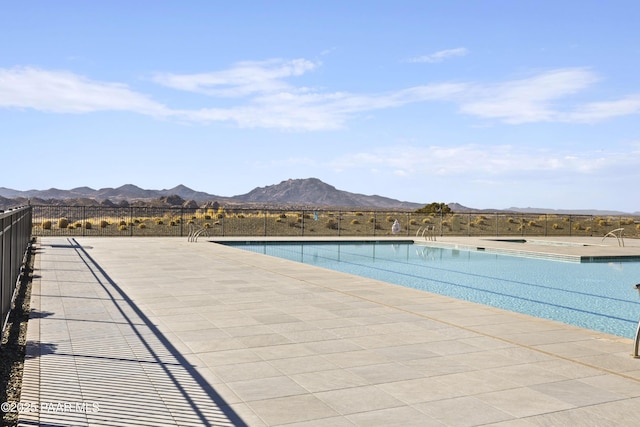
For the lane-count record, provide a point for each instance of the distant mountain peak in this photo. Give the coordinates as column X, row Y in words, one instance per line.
column 314, row 192
column 299, row 192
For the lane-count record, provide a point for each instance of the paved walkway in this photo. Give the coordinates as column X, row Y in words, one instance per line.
column 158, row 331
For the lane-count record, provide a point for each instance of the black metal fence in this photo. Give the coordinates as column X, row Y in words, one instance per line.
column 15, row 234
column 178, row 221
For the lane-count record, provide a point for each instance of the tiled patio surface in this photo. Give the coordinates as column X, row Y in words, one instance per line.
column 159, row 331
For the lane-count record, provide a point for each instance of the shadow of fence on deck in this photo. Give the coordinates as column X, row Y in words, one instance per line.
column 187, row 397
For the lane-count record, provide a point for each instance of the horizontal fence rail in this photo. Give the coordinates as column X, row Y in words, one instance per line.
column 179, row 221
column 15, row 234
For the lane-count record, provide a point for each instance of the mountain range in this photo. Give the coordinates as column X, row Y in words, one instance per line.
column 302, row 193
column 298, row 192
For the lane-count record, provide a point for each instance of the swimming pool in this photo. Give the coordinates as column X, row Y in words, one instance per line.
column 597, row 295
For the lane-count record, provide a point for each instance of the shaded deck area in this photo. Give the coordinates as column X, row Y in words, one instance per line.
column 159, row 331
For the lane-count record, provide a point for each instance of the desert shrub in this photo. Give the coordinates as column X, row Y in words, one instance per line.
column 241, row 216
column 426, row 220
column 555, row 226
column 159, row 222
column 282, row 215
column 103, row 224
column 332, row 224
column 172, row 223
column 588, row 229
column 71, row 226
column 532, row 224
column 295, row 222
column 358, row 214
column 638, row 227
column 88, row 225
column 602, row 223
column 390, row 218
column 577, row 226
column 207, row 217
column 220, row 216
column 191, row 222
column 46, row 225
column 122, row 226
column 279, row 219
column 511, row 221
column 136, row 221
column 63, row 223
column 142, row 225
column 207, row 225
column 371, row 220
column 77, row 224
column 355, row 222
column 413, row 222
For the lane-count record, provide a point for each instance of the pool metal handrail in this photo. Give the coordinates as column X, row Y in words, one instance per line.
column 430, row 229
column 195, row 232
column 618, row 236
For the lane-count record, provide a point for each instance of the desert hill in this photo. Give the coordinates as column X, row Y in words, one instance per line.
column 310, row 192
column 306, row 193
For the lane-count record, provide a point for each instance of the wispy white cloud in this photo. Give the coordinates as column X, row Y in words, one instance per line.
column 242, row 79
column 261, row 95
column 64, row 92
column 598, row 111
column 485, row 161
column 526, row 100
column 317, row 111
column 440, row 55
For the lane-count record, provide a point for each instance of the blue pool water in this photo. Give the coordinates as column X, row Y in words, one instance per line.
column 600, row 295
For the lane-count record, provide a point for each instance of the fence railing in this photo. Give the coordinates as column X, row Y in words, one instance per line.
column 15, row 234
column 163, row 221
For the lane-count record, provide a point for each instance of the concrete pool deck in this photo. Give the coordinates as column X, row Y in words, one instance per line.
column 159, row 331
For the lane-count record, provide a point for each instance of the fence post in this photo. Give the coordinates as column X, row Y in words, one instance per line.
column 546, row 221
column 408, row 222
column 375, row 222
column 570, row 226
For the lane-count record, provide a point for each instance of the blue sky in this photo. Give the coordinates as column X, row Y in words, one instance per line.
column 491, row 104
